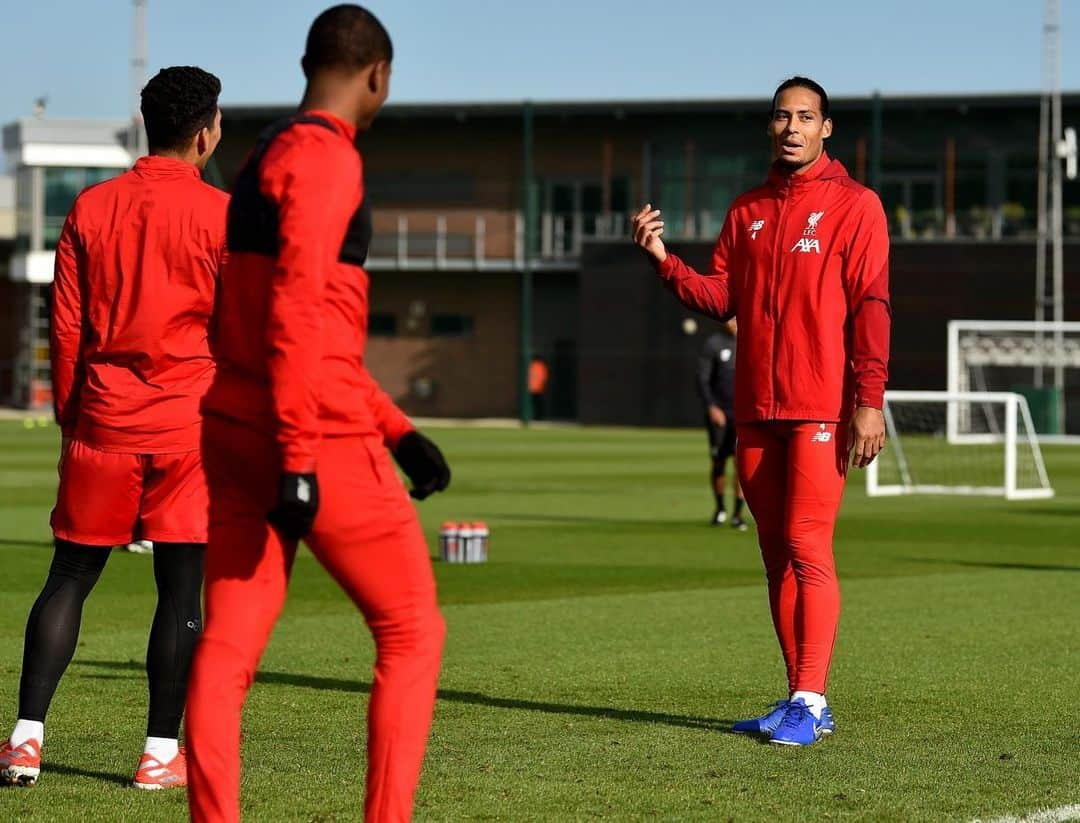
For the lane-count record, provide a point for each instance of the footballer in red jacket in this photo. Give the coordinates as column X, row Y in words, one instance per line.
column 136, row 271
column 803, row 263
column 297, row 435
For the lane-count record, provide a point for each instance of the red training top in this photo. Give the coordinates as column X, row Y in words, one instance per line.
column 292, row 317
column 802, row 263
column 133, row 292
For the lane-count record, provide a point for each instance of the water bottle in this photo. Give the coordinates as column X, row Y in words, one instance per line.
column 481, row 534
column 466, row 540
column 448, row 542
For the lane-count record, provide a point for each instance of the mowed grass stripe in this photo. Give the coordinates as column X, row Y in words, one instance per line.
column 542, row 727
column 593, row 664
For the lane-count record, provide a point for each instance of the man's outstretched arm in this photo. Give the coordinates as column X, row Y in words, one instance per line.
column 710, row 293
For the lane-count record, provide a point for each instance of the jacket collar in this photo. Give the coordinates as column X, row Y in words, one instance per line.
column 158, row 167
column 824, row 167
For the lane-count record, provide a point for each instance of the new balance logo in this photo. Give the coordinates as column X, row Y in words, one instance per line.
column 812, row 221
column 303, row 490
column 807, row 244
column 755, row 227
column 821, row 436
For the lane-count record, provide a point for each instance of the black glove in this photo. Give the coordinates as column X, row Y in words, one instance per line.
column 425, row 465
column 298, row 503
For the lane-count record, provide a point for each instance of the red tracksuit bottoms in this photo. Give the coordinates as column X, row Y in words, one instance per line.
column 793, row 475
column 368, row 538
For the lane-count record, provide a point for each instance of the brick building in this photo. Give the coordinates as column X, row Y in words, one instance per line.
column 462, row 244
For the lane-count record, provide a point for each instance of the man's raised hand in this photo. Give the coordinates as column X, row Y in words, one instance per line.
column 647, row 228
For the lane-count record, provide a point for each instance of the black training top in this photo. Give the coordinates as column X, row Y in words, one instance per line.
column 716, row 372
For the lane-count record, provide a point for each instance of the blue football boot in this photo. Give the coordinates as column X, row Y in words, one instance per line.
column 800, row 727
column 766, row 724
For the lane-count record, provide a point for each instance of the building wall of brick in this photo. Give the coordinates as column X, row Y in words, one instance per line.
column 636, row 361
column 475, row 375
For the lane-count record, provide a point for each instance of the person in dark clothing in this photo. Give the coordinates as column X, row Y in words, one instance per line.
column 716, row 387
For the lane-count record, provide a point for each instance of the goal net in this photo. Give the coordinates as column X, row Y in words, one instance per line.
column 1040, row 360
column 997, row 452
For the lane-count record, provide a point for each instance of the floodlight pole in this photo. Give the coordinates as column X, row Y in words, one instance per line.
column 1050, row 218
column 137, row 143
column 1056, row 222
column 1052, row 33
column 1042, row 227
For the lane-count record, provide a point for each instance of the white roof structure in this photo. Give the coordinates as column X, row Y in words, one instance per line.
column 44, row 142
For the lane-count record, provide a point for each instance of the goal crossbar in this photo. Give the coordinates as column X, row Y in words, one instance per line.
column 1042, row 346
column 1017, row 414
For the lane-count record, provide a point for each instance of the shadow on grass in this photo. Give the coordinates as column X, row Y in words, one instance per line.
column 48, row 768
column 1046, row 511
column 571, row 519
column 987, row 564
column 458, row 696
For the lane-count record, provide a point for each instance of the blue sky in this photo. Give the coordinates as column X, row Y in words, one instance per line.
column 78, row 51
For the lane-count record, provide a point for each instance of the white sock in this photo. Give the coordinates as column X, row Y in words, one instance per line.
column 814, row 702
column 162, row 749
column 27, row 730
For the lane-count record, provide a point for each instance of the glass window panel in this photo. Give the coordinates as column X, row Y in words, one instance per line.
column 382, row 324
column 451, row 325
column 62, row 186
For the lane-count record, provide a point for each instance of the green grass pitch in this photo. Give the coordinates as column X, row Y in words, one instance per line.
column 593, row 665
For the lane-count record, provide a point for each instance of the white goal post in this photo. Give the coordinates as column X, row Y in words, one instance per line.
column 1040, row 359
column 997, row 453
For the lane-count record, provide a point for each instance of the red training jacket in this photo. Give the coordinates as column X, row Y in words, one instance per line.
column 292, row 314
column 133, row 292
column 802, row 263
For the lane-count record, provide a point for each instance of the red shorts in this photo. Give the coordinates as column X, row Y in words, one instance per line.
column 112, row 498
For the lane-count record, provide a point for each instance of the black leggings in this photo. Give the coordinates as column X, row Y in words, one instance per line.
column 52, row 631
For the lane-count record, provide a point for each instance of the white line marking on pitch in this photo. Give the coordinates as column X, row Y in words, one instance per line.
column 1058, row 815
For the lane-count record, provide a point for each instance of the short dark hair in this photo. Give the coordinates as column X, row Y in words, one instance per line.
column 177, row 103
column 346, row 37
column 798, row 82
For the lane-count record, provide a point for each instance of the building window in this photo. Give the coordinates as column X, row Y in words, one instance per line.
column 382, row 324
column 62, row 186
column 451, row 325
column 24, row 208
column 433, row 189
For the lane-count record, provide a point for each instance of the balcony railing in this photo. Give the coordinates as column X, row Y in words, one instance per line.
column 421, row 238
column 495, row 239
column 490, row 239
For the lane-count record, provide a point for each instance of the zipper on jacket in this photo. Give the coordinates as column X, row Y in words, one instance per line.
column 778, row 265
